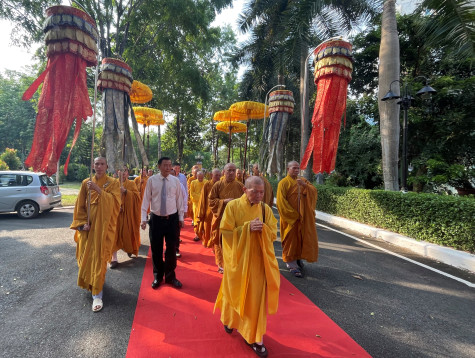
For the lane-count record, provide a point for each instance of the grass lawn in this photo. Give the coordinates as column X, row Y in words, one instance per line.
column 68, row 200
column 71, row 185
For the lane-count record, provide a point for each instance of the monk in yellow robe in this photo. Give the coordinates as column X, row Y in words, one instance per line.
column 251, row 279
column 222, row 193
column 128, row 222
column 268, row 191
column 95, row 239
column 205, row 215
column 195, row 192
column 296, row 202
column 192, row 177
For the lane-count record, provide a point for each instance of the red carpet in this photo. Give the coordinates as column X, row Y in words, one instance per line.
column 180, row 323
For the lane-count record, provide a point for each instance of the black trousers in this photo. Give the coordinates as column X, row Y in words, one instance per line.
column 163, row 228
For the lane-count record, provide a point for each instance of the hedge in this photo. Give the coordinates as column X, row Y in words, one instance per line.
column 443, row 220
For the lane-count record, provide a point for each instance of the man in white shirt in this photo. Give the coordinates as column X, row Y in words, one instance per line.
column 164, row 195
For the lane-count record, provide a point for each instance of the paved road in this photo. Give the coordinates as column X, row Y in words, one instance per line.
column 392, row 308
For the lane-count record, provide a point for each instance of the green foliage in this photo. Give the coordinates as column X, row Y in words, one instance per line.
column 76, row 172
column 443, row 220
column 17, row 117
column 3, row 165
column 10, row 158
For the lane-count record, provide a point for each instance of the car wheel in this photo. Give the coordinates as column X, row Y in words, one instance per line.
column 28, row 209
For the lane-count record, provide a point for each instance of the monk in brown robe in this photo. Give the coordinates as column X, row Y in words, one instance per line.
column 192, row 177
column 205, row 215
column 195, row 192
column 222, row 193
column 128, row 222
column 296, row 201
column 95, row 238
column 268, row 191
column 250, row 286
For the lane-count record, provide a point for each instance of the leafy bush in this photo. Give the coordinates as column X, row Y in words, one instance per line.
column 443, row 220
column 3, row 165
column 11, row 159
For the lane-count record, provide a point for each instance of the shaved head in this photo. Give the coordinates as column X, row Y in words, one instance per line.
column 253, row 180
column 229, row 165
column 100, row 158
column 292, row 163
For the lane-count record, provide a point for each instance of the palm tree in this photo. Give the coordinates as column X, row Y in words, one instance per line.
column 389, row 110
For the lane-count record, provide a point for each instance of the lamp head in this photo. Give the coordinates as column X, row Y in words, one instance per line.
column 390, row 95
column 426, row 90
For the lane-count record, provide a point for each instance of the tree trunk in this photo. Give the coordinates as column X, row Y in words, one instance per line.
column 304, row 96
column 159, row 149
column 389, row 110
column 179, row 139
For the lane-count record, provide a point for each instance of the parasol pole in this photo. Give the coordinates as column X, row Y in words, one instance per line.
column 96, row 75
column 247, row 132
column 229, row 146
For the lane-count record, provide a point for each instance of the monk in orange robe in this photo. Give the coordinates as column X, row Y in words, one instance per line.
column 221, row 194
column 128, row 222
column 239, row 175
column 268, row 191
column 205, row 215
column 192, row 177
column 95, row 239
column 141, row 182
column 251, row 279
column 195, row 192
column 296, row 202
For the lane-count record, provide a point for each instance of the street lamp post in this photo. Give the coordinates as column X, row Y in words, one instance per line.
column 405, row 104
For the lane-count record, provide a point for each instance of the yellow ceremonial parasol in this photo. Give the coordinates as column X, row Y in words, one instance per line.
column 140, row 93
column 149, row 117
column 250, row 110
column 231, row 127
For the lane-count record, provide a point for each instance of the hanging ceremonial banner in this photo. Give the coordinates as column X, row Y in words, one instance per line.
column 115, row 82
column 71, row 36
column 333, row 68
column 281, row 105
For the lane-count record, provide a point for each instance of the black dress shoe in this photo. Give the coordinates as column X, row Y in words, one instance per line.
column 155, row 284
column 114, row 264
column 228, row 330
column 175, row 283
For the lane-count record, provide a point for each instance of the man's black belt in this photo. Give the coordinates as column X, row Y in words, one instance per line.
column 166, row 217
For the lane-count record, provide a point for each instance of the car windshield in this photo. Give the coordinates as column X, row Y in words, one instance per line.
column 46, row 181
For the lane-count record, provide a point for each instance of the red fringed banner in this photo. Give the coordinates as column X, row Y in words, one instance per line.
column 333, row 68
column 70, row 36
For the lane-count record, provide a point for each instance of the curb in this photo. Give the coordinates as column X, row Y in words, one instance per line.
column 459, row 259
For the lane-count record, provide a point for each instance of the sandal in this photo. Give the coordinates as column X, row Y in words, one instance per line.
column 220, row 270
column 97, row 305
column 228, row 330
column 259, row 349
column 296, row 272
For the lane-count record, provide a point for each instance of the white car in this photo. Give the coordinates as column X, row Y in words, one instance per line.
column 27, row 193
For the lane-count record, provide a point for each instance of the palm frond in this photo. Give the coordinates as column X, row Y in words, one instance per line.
column 451, row 22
